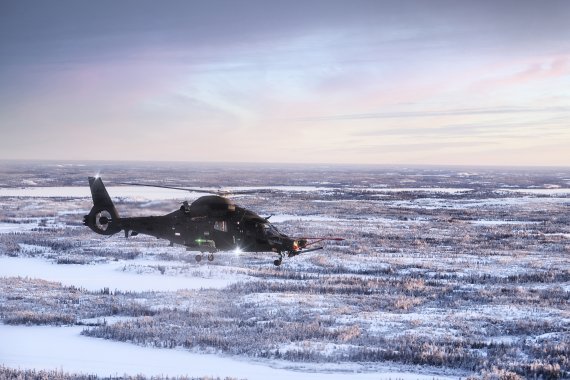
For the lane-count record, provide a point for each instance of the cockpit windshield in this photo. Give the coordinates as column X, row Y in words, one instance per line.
column 269, row 229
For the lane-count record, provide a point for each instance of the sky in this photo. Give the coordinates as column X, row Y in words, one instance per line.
column 311, row 81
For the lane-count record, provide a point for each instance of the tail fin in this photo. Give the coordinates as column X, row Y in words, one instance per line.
column 103, row 217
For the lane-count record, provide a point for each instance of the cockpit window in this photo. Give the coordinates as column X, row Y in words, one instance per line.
column 221, row 225
column 269, row 228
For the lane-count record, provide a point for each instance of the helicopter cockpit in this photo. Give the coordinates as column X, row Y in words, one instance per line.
column 271, row 233
column 269, row 229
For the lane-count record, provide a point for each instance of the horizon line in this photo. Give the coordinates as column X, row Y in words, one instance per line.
column 249, row 163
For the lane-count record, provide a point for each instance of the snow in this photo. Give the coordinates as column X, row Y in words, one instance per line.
column 485, row 222
column 33, row 347
column 108, row 275
column 567, row 236
column 16, row 227
column 548, row 191
column 130, row 192
column 297, row 189
column 155, row 193
column 135, row 192
column 314, row 218
column 109, row 320
column 447, row 190
column 505, row 201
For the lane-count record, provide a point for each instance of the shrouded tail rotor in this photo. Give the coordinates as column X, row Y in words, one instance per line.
column 103, row 217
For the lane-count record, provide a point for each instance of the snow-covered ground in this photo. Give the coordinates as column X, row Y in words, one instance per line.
column 130, row 192
column 484, row 222
column 432, row 262
column 63, row 348
column 446, row 190
column 137, row 192
column 314, row 218
column 156, row 193
column 547, row 191
column 115, row 275
column 16, row 227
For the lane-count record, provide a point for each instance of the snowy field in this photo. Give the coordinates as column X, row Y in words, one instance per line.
column 444, row 273
column 124, row 276
column 33, row 347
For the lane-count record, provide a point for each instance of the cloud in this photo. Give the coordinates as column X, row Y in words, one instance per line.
column 266, row 76
column 550, row 68
column 427, row 114
column 496, row 131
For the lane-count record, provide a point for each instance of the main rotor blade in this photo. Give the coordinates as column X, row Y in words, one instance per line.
column 246, row 192
column 223, row 193
column 170, row 187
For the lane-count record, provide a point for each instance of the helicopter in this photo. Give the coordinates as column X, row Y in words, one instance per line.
column 210, row 224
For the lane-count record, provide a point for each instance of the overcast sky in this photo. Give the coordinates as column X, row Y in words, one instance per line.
column 370, row 82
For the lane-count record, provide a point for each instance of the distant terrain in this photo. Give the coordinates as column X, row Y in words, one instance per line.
column 445, row 272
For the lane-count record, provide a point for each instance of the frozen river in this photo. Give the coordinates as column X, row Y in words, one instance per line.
column 63, row 348
column 110, row 275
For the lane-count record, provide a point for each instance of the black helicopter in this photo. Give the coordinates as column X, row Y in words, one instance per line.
column 209, row 224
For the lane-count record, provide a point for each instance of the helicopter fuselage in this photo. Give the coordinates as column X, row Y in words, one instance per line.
column 239, row 229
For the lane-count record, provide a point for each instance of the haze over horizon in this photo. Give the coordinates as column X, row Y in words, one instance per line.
column 352, row 82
